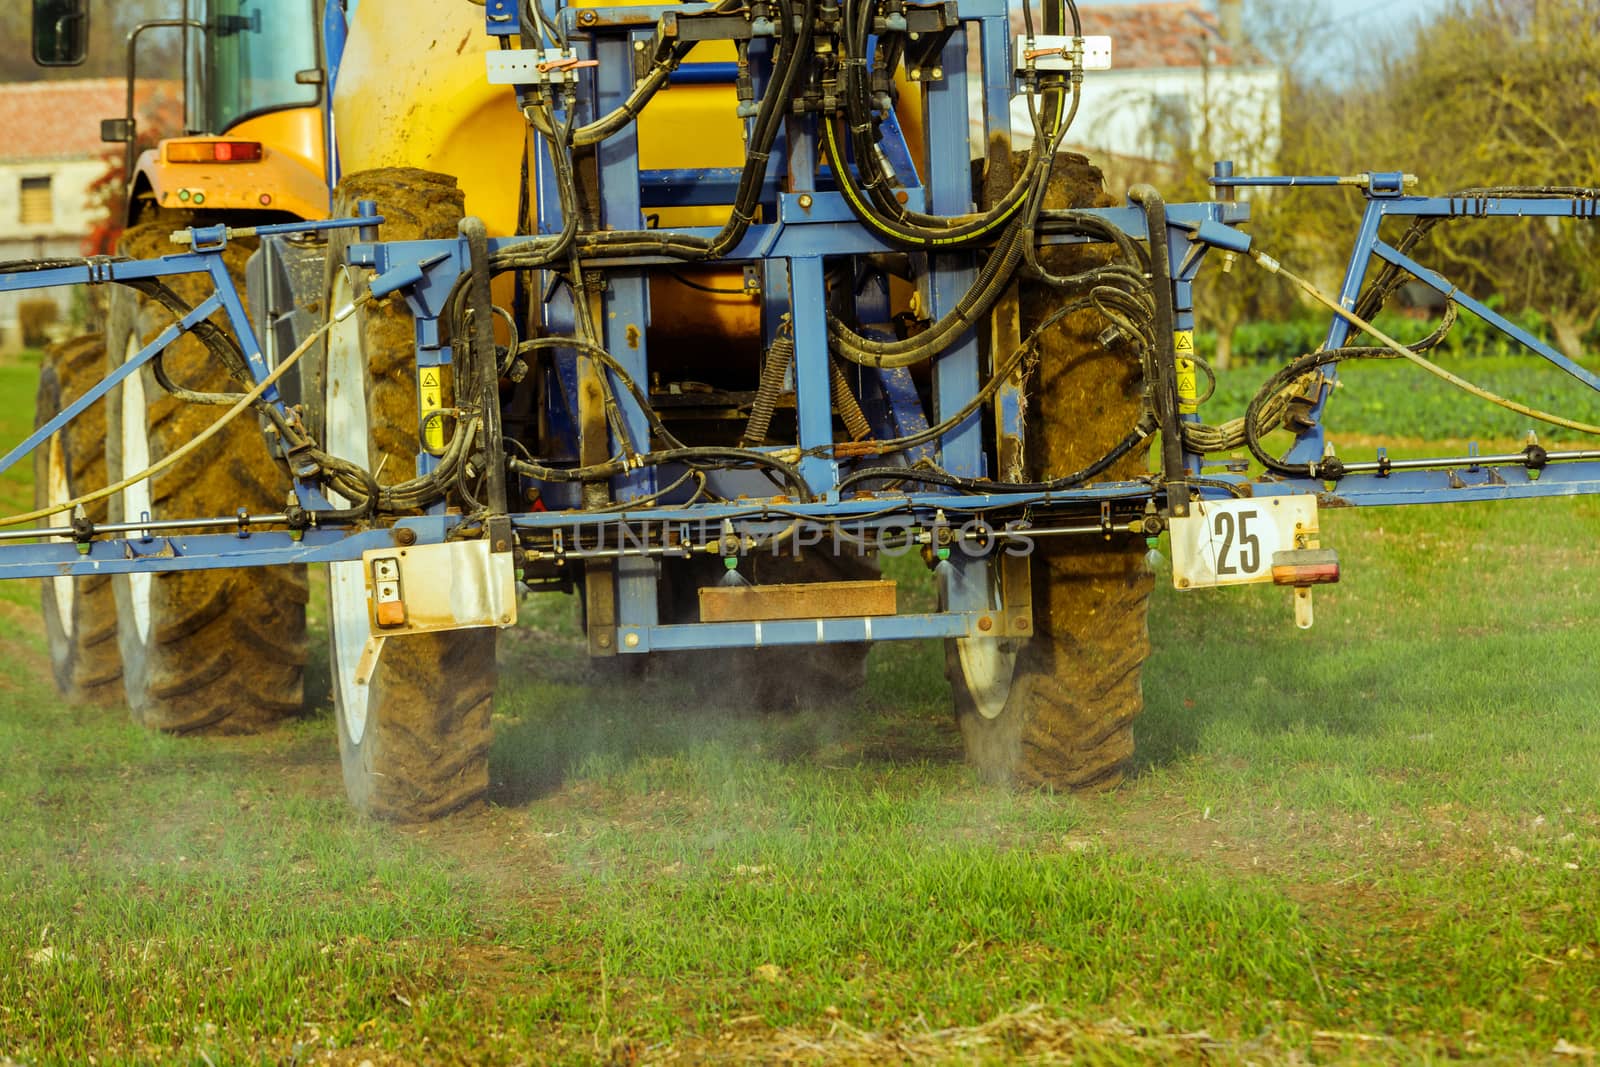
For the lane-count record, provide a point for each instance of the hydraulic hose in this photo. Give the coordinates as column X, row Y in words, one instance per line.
column 870, row 198
column 1163, row 363
column 245, row 402
column 991, row 282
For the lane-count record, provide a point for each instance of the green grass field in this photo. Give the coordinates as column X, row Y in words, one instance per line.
column 1378, row 840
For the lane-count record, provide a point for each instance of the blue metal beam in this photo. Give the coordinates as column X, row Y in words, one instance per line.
column 1437, row 282
column 204, row 310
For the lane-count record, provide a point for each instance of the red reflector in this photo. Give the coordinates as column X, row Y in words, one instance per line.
column 214, row 151
column 1305, row 566
column 238, row 151
column 1306, row 575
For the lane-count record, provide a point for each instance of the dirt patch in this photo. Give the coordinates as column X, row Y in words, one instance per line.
column 1031, row 1035
column 500, row 848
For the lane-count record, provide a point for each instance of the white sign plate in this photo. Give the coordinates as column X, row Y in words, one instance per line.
column 1231, row 542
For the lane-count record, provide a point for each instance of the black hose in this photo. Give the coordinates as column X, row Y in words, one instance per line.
column 934, row 476
column 991, row 282
column 1163, row 376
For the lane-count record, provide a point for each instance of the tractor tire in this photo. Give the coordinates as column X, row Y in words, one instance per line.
column 213, row 650
column 413, row 741
column 80, row 614
column 1059, row 712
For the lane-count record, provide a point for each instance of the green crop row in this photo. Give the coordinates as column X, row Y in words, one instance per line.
column 1279, row 342
column 1395, row 398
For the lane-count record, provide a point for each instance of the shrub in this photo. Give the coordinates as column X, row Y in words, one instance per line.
column 1278, row 343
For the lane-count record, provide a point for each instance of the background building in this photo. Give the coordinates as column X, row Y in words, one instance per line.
column 1184, row 89
column 50, row 155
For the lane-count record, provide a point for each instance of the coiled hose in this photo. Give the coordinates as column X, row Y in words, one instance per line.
column 846, row 404
column 773, row 373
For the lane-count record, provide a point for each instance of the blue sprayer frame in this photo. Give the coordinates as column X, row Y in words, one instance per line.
column 809, row 223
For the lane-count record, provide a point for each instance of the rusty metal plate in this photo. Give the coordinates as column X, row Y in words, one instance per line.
column 426, row 588
column 808, row 600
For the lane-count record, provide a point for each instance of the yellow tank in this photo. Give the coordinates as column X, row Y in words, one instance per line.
column 412, row 91
column 414, row 99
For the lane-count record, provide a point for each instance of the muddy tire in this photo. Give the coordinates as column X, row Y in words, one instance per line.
column 80, row 614
column 1066, row 720
column 414, row 741
column 214, row 650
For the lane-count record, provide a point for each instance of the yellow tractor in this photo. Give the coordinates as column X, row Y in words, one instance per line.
column 859, row 335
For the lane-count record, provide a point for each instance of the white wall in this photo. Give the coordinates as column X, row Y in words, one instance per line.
column 69, row 183
column 1235, row 111
column 71, row 220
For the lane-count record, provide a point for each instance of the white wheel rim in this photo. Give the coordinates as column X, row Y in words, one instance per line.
column 345, row 433
column 987, row 666
column 58, row 490
column 136, row 498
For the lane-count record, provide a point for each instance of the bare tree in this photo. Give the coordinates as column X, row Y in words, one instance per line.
column 1494, row 94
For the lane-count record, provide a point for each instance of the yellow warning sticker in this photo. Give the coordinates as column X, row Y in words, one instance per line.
column 432, row 399
column 1188, row 389
column 1183, row 341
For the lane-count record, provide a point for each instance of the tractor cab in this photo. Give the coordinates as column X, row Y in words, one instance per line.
column 254, row 82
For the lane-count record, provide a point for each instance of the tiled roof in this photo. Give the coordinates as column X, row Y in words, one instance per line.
column 1145, row 36
column 54, row 120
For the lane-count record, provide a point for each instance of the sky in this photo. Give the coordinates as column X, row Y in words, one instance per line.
column 1342, row 29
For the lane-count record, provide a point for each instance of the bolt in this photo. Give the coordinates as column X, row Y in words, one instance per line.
column 805, row 201
column 638, row 46
column 1183, row 583
column 405, row 535
column 938, row 72
column 505, row 620
column 901, row 196
column 1020, row 623
column 587, row 18
column 985, row 624
column 500, row 546
column 631, row 640
column 604, row 640
column 916, row 72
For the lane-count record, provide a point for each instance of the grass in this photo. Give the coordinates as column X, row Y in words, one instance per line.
column 1376, row 840
column 1394, row 398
